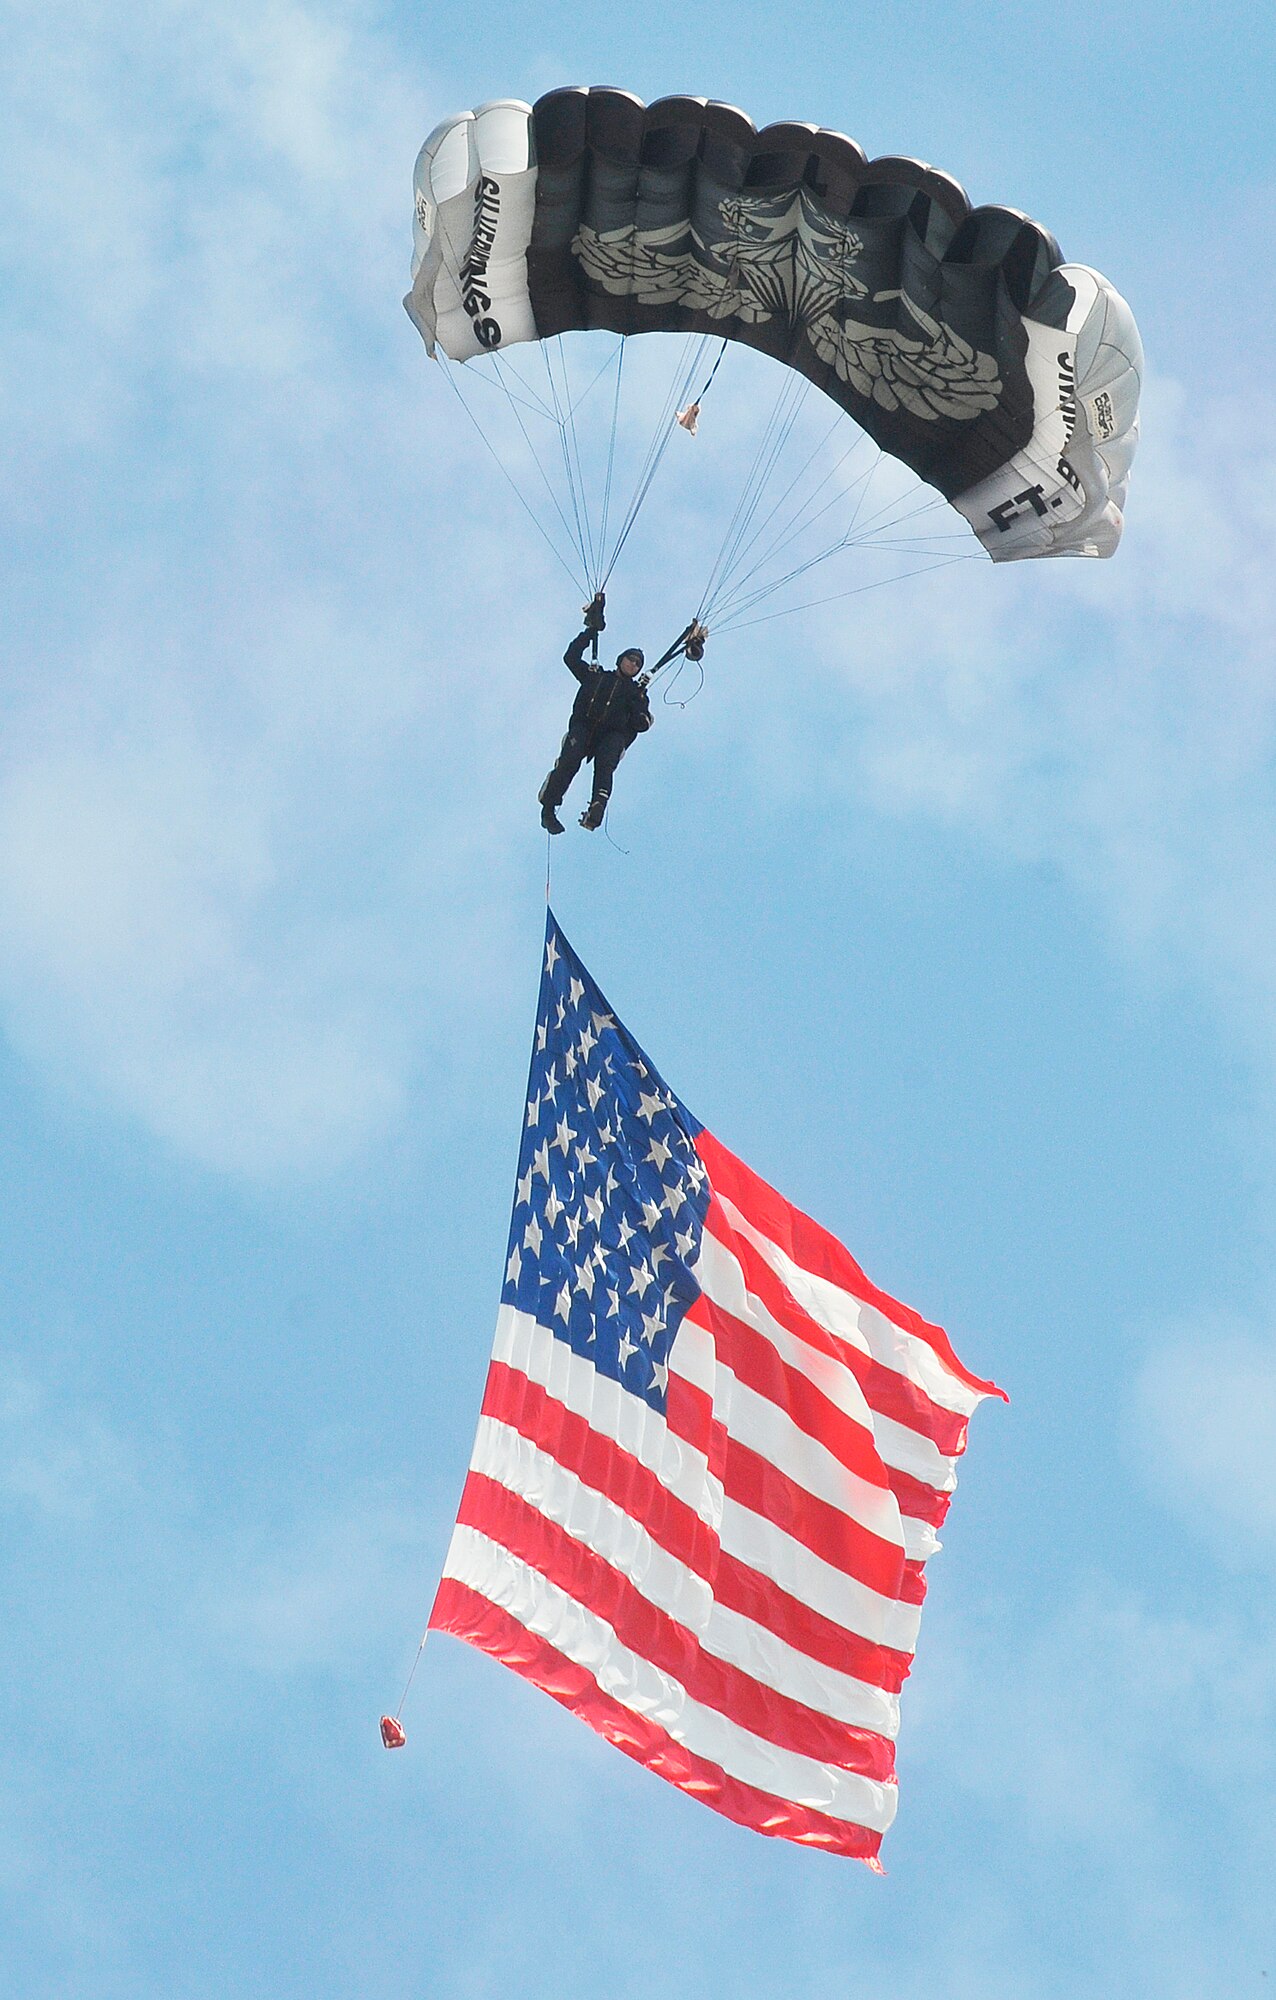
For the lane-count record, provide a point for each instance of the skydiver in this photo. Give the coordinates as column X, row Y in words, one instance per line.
column 610, row 710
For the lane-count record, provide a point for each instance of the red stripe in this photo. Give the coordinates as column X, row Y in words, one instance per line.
column 817, row 1251
column 913, row 1588
column 755, row 1360
column 885, row 1391
column 507, row 1519
column 463, row 1612
column 808, row 1631
column 920, row 1501
column 830, row 1534
column 512, row 1399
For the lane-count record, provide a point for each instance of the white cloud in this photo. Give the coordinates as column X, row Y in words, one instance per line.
column 60, row 1466
column 324, row 1597
column 1206, row 1403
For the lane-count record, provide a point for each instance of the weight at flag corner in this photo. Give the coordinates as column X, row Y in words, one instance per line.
column 712, row 1458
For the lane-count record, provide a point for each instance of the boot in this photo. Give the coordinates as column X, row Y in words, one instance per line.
column 592, row 817
column 550, row 820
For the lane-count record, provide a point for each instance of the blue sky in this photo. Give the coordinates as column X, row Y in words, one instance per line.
column 953, row 910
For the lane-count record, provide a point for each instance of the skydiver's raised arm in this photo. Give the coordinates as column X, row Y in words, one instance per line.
column 574, row 657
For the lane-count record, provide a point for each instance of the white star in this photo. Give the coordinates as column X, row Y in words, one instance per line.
column 594, row 1208
column 514, row 1266
column 611, row 1183
column 553, row 1207
column 640, row 1280
column 523, row 1188
column 569, row 1061
column 560, row 1015
column 542, row 1035
column 563, row 1136
column 696, row 1173
column 686, row 1242
column 658, row 1255
column 602, row 1021
column 651, row 1213
column 652, row 1324
column 648, row 1103
column 584, row 1157
column 551, row 1084
column 660, row 1376
column 587, row 1041
column 674, row 1198
column 563, row 1304
column 613, row 1309
column 657, row 1152
column 627, row 1347
column 533, row 1237
column 551, row 955
column 594, row 1091
column 585, row 1278
column 533, row 1109
column 624, row 1230
column 575, row 991
column 572, row 1227
column 671, row 1293
column 540, row 1160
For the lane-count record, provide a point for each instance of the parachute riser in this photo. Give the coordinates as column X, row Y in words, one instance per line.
column 689, row 644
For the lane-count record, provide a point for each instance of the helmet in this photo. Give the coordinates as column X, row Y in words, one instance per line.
column 632, row 653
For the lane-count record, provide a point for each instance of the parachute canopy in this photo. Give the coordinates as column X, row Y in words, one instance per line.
column 956, row 337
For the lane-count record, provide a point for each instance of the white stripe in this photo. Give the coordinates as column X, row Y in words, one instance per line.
column 904, row 1450
column 754, row 1540
column 921, row 1539
column 540, row 1607
column 599, row 1525
column 523, row 1344
column 864, row 1325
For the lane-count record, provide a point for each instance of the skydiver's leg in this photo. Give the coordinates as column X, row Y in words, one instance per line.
column 569, row 760
column 608, row 752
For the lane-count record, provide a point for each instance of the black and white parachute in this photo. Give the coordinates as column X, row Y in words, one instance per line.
column 956, row 337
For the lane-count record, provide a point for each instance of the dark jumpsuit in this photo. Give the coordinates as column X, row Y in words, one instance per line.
column 609, row 711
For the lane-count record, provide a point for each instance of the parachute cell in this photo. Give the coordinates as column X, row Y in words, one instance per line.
column 956, row 337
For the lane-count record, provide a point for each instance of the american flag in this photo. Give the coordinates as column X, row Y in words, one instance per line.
column 712, row 1457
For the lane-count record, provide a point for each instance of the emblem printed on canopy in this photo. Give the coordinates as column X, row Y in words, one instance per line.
column 712, row 1458
column 784, row 257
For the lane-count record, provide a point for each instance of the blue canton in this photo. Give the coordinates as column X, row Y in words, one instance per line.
column 612, row 1195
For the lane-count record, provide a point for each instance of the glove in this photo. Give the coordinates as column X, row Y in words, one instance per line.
column 694, row 647
column 594, row 619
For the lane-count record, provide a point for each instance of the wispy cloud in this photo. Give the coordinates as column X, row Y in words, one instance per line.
column 1206, row 1403
column 245, row 868
column 1116, row 720
column 59, row 1465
